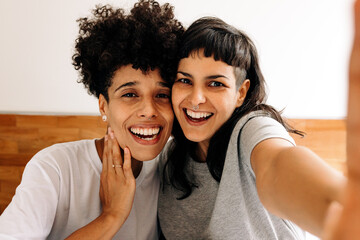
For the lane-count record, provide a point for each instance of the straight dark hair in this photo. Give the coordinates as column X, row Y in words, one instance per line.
column 228, row 44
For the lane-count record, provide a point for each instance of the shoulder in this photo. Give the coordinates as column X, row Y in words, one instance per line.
column 54, row 155
column 255, row 128
column 263, row 127
column 65, row 148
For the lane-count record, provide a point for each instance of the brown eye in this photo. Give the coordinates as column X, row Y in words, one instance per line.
column 216, row 84
column 163, row 95
column 184, row 80
column 129, row 95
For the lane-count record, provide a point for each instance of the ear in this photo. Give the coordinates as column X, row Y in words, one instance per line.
column 103, row 105
column 242, row 92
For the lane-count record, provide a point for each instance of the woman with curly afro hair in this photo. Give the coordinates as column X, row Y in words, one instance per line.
column 128, row 62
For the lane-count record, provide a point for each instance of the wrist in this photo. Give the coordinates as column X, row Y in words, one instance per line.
column 112, row 219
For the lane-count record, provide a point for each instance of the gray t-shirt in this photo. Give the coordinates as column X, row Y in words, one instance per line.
column 230, row 209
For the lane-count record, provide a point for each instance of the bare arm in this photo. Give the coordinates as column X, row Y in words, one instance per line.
column 294, row 183
column 353, row 118
column 117, row 190
column 343, row 223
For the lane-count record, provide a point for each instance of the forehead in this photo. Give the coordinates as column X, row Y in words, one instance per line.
column 126, row 74
column 197, row 61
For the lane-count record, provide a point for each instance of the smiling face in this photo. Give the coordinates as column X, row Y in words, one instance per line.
column 211, row 85
column 139, row 111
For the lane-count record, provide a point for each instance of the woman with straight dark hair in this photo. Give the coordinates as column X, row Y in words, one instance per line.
column 232, row 170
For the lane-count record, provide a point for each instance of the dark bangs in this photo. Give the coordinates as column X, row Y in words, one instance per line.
column 219, row 40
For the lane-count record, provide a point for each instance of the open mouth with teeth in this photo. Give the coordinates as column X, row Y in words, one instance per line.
column 197, row 116
column 146, row 134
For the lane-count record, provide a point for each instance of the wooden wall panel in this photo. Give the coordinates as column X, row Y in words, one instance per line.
column 21, row 136
column 10, row 177
column 8, row 120
column 8, row 146
column 327, row 138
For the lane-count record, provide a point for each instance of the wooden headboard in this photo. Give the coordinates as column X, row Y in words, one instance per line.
column 21, row 136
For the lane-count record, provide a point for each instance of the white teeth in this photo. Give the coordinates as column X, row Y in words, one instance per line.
column 145, row 131
column 149, row 138
column 197, row 115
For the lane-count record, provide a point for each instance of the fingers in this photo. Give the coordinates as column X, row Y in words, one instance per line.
column 111, row 153
column 357, row 17
column 108, row 154
column 112, row 159
column 128, row 173
column 115, row 153
column 117, row 183
column 332, row 221
column 105, row 155
column 353, row 118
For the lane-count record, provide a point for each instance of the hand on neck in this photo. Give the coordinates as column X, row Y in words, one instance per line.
column 135, row 164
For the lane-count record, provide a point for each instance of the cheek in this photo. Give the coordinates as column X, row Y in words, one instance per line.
column 117, row 121
column 176, row 111
column 176, row 96
column 173, row 100
column 226, row 103
column 168, row 114
column 120, row 131
column 176, row 100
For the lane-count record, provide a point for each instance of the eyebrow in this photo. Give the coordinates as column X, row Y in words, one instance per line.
column 185, row 74
column 163, row 84
column 129, row 84
column 207, row 77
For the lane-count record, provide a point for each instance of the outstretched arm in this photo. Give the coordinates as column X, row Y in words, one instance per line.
column 344, row 222
column 295, row 184
column 353, row 119
column 117, row 190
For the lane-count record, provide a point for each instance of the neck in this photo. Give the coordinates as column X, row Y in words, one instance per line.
column 201, row 150
column 136, row 165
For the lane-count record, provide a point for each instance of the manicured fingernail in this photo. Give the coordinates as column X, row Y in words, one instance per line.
column 112, row 135
column 126, row 151
column 109, row 130
column 106, row 137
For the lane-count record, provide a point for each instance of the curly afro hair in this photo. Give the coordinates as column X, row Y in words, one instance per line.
column 147, row 38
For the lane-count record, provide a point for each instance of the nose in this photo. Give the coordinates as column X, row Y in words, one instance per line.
column 197, row 96
column 148, row 110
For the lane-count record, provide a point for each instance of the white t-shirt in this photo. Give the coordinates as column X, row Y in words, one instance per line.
column 59, row 193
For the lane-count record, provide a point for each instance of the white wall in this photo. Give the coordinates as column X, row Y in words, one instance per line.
column 303, row 45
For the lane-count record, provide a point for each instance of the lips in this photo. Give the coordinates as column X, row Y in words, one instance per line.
column 197, row 116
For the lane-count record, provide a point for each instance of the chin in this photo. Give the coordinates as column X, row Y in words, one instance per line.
column 194, row 138
column 144, row 156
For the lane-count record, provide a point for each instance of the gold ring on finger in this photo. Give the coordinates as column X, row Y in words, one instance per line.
column 116, row 165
